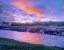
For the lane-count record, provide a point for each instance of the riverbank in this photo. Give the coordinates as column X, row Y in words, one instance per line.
column 9, row 44
column 43, row 30
column 34, row 38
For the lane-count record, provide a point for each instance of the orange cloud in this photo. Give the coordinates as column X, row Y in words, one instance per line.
column 26, row 6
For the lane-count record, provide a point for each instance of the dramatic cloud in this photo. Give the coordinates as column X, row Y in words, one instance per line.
column 26, row 6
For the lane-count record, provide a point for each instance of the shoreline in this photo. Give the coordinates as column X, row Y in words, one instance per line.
column 51, row 31
column 13, row 44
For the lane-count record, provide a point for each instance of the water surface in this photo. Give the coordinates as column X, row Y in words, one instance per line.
column 35, row 38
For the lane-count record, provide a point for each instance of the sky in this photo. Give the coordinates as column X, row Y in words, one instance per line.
column 37, row 10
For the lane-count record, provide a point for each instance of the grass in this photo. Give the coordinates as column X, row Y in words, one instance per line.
column 10, row 44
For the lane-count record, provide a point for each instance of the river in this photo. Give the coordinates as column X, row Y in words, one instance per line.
column 35, row 38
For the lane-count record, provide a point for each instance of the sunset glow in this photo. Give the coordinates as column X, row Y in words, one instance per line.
column 43, row 10
column 26, row 6
column 31, row 24
column 29, row 37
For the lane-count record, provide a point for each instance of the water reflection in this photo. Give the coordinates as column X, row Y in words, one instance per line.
column 29, row 37
column 49, row 40
column 22, row 36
